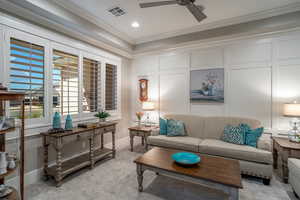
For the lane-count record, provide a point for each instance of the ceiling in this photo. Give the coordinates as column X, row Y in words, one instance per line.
column 166, row 21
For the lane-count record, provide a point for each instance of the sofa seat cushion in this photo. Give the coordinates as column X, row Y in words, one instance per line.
column 294, row 174
column 294, row 166
column 239, row 152
column 181, row 142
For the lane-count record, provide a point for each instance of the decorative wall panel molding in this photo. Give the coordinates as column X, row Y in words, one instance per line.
column 260, row 75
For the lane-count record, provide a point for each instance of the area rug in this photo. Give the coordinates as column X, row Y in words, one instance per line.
column 115, row 179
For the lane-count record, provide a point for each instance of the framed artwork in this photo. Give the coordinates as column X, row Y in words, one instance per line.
column 143, row 84
column 207, row 86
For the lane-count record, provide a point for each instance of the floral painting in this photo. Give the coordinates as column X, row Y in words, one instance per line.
column 207, row 85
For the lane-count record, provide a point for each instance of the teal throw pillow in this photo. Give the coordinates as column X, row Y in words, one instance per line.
column 234, row 134
column 175, row 128
column 252, row 135
column 162, row 126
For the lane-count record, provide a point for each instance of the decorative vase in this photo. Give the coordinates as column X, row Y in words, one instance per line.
column 139, row 123
column 11, row 163
column 3, row 163
column 68, row 124
column 2, row 121
column 56, row 121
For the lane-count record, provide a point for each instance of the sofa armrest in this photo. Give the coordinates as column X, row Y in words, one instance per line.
column 265, row 142
column 155, row 132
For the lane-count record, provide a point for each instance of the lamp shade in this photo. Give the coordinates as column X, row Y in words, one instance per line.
column 291, row 110
column 148, row 106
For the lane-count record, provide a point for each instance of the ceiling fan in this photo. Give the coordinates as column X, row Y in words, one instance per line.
column 196, row 10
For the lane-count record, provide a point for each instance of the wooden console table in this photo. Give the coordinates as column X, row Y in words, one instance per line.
column 57, row 140
column 284, row 149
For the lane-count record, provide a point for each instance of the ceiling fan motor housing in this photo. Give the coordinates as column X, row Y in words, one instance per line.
column 185, row 2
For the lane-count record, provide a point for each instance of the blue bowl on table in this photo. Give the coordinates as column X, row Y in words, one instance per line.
column 186, row 158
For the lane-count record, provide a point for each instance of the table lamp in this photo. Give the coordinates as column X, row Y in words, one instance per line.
column 148, row 106
column 292, row 110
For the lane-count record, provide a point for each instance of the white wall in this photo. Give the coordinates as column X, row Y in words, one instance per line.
column 261, row 74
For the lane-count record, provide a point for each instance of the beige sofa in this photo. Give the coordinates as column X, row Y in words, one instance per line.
column 294, row 175
column 204, row 134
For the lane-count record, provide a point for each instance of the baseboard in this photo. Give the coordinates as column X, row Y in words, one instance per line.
column 36, row 175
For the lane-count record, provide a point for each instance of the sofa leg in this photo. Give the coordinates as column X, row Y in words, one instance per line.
column 266, row 181
column 296, row 195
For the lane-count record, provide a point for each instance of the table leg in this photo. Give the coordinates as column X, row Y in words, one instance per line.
column 140, row 172
column 275, row 156
column 146, row 143
column 131, row 142
column 102, row 140
column 92, row 151
column 58, row 148
column 233, row 194
column 285, row 170
column 113, row 144
column 142, row 139
column 46, row 160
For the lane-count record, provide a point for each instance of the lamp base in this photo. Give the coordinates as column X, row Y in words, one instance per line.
column 148, row 123
column 294, row 138
column 294, row 133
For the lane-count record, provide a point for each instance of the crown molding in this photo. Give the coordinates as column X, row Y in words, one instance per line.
column 219, row 41
column 226, row 22
column 81, row 12
column 64, row 22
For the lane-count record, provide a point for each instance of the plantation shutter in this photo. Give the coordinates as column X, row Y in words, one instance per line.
column 91, row 85
column 27, row 75
column 65, row 78
column 110, row 87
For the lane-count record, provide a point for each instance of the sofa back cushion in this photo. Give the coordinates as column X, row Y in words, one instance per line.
column 210, row 127
column 194, row 125
column 214, row 126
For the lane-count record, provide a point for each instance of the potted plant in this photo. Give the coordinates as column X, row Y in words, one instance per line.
column 102, row 115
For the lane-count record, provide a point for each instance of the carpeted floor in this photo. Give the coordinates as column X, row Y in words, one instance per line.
column 116, row 180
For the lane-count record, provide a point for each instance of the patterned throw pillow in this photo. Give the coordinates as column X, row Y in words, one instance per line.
column 175, row 128
column 252, row 135
column 234, row 134
column 162, row 126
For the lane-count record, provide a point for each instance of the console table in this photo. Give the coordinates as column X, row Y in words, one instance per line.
column 58, row 140
column 284, row 149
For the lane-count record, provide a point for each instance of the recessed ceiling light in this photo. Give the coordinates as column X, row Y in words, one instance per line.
column 135, row 24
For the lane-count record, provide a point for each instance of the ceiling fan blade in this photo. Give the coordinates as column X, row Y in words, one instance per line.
column 196, row 11
column 159, row 3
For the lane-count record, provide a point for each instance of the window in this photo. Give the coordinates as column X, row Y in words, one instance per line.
column 91, row 85
column 110, row 87
column 65, row 77
column 27, row 75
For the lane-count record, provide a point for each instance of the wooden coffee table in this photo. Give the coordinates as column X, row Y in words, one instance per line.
column 214, row 172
